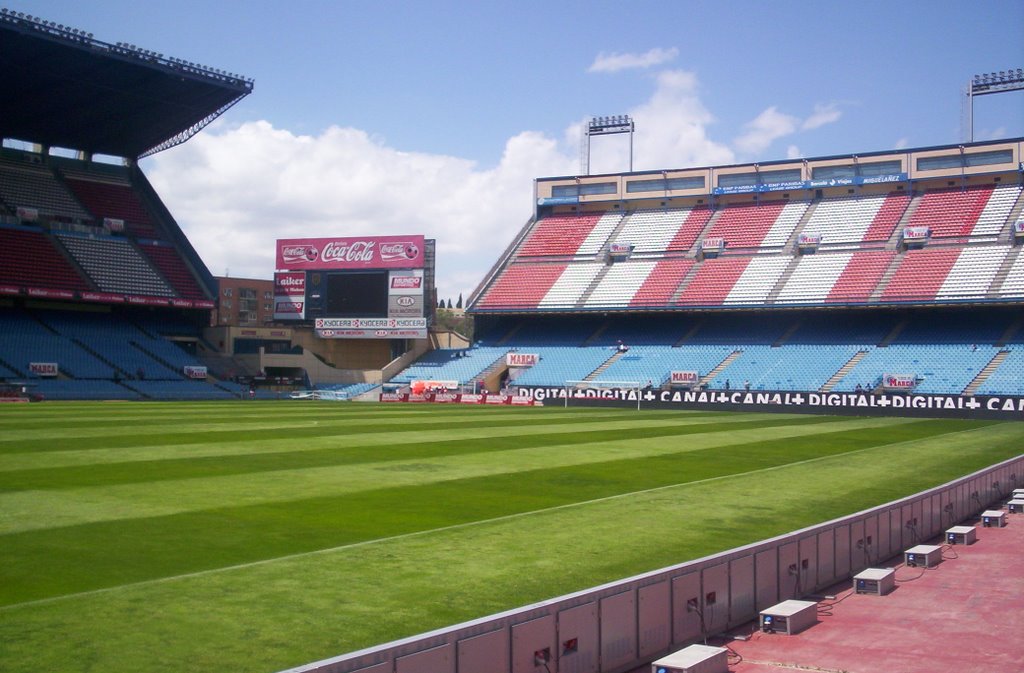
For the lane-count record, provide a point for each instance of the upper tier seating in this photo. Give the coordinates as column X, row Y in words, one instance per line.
column 115, row 265
column 861, row 276
column 33, row 186
column 569, row 234
column 522, row 285
column 28, row 259
column 662, row 283
column 622, row 281
column 713, row 281
column 764, row 225
column 857, row 219
column 973, row 211
column 570, row 286
column 1013, row 285
column 757, row 280
column 945, row 273
column 663, row 229
column 108, row 197
column 169, row 262
column 813, row 278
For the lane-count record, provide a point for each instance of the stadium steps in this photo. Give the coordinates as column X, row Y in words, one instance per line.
column 791, row 246
column 1003, row 272
column 894, row 332
column 70, row 259
column 781, row 341
column 1006, row 235
column 1010, row 332
column 843, row 371
column 897, row 233
column 84, row 346
column 605, row 365
column 986, row 371
column 674, row 299
column 154, row 356
column 883, row 282
column 710, row 376
column 689, row 334
column 695, row 250
column 582, row 301
column 606, row 246
column 597, row 334
column 511, row 333
column 14, row 369
column 492, row 369
column 783, row 279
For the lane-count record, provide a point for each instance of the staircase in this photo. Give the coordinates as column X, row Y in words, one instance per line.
column 683, row 283
column 492, row 369
column 843, row 371
column 883, row 282
column 511, row 333
column 893, row 333
column 897, row 234
column 689, row 334
column 710, row 376
column 603, row 252
column 790, row 246
column 597, row 334
column 593, row 284
column 788, row 333
column 1010, row 332
column 783, row 279
column 695, row 250
column 986, row 371
column 1006, row 235
column 605, row 365
column 1003, row 272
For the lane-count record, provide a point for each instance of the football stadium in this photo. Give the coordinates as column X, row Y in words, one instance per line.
column 746, row 418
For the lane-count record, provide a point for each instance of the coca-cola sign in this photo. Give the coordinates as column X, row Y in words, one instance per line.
column 365, row 252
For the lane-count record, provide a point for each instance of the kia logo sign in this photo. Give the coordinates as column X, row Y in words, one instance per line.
column 406, row 301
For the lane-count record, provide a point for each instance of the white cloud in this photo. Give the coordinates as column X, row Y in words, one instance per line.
column 764, row 129
column 793, row 152
column 902, row 143
column 234, row 190
column 823, row 114
column 615, row 62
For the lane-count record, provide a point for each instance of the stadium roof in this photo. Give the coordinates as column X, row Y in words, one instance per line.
column 127, row 102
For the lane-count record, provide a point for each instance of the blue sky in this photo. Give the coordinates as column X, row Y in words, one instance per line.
column 434, row 117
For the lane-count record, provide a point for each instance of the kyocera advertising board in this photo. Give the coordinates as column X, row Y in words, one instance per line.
column 363, row 252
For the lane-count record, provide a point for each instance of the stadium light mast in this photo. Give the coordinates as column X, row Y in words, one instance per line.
column 983, row 85
column 604, row 126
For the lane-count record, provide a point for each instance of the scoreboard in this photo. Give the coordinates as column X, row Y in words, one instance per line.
column 357, row 288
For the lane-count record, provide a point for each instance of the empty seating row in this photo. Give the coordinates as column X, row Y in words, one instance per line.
column 451, row 365
column 167, row 260
column 792, row 367
column 111, row 198
column 664, row 229
column 971, row 211
column 522, row 285
column 940, row 368
column 569, row 234
column 32, row 186
column 765, row 225
column 115, row 265
column 856, row 219
column 29, row 259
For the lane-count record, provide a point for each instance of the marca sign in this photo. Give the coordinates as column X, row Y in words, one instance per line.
column 367, row 252
column 521, row 359
column 684, row 378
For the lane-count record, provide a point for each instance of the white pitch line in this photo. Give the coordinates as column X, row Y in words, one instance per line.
column 443, row 529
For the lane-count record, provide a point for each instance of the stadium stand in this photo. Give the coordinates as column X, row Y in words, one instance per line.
column 114, row 265
column 29, row 259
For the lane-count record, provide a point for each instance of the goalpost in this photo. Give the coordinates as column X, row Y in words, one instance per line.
column 578, row 389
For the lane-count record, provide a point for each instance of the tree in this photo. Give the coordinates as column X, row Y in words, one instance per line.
column 449, row 302
column 459, row 304
column 440, row 303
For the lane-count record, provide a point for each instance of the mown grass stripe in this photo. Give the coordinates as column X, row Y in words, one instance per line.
column 171, row 468
column 89, row 556
column 31, row 510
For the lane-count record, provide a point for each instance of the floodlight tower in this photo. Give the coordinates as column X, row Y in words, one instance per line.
column 604, row 126
column 982, row 85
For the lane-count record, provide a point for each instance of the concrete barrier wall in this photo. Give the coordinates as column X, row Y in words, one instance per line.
column 622, row 625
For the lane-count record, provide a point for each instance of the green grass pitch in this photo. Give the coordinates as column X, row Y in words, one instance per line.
column 256, row 536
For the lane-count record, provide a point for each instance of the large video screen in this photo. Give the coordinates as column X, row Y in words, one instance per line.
column 356, row 294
